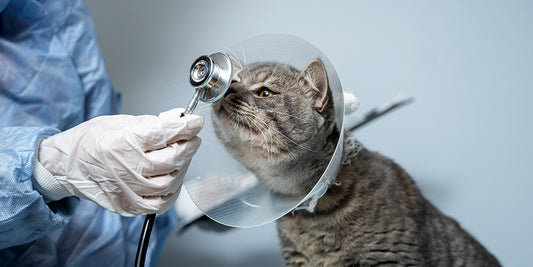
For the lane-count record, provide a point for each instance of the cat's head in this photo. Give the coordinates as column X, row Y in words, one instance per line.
column 277, row 121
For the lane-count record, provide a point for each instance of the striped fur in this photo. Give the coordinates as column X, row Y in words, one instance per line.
column 277, row 137
column 373, row 216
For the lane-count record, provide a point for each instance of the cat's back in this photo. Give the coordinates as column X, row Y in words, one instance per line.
column 377, row 216
column 353, row 224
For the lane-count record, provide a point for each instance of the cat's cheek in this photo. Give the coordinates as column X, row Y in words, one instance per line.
column 215, row 106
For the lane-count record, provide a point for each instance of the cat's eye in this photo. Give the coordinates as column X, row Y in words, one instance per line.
column 265, row 92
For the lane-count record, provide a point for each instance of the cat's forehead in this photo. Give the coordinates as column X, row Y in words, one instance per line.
column 267, row 71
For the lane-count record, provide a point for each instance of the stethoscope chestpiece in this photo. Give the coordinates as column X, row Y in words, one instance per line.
column 211, row 75
column 201, row 69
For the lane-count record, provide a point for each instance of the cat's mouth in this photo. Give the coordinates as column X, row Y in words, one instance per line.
column 229, row 113
column 232, row 113
column 249, row 129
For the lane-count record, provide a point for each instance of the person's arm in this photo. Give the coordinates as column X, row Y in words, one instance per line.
column 24, row 214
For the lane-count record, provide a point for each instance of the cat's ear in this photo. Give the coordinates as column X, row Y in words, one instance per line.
column 315, row 72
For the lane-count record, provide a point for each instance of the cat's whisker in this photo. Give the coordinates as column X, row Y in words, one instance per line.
column 284, row 142
column 235, row 126
column 264, row 136
column 262, row 126
column 248, row 122
column 280, row 112
column 272, row 77
column 228, row 49
column 269, row 128
column 244, row 54
column 272, row 128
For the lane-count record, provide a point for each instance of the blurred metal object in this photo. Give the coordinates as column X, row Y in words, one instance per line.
column 211, row 77
column 378, row 112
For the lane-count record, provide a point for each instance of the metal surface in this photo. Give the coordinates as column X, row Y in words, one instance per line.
column 193, row 102
column 201, row 69
column 211, row 76
column 378, row 112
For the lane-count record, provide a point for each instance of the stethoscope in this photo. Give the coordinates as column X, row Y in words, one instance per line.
column 211, row 77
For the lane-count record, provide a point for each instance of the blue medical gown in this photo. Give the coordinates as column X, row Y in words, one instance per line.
column 52, row 78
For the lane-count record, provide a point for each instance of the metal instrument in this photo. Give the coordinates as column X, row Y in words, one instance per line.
column 211, row 77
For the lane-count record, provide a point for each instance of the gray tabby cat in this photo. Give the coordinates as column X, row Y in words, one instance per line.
column 279, row 122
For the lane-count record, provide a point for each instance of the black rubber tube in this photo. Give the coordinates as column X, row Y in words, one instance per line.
column 144, row 240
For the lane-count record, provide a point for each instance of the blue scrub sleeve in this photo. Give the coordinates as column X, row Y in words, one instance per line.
column 52, row 77
column 24, row 215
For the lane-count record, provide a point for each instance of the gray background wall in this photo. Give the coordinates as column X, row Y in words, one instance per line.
column 469, row 64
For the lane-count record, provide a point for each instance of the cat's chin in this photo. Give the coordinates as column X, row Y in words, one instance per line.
column 284, row 186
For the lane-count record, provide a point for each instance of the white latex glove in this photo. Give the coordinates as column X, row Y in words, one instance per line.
column 131, row 165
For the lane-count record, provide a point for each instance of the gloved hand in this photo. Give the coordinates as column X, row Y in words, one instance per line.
column 131, row 165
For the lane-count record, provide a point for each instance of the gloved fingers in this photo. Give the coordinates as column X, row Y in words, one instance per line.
column 170, row 158
column 162, row 185
column 187, row 126
column 158, row 204
column 139, row 205
column 169, row 202
column 155, row 132
column 111, row 122
column 172, row 114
